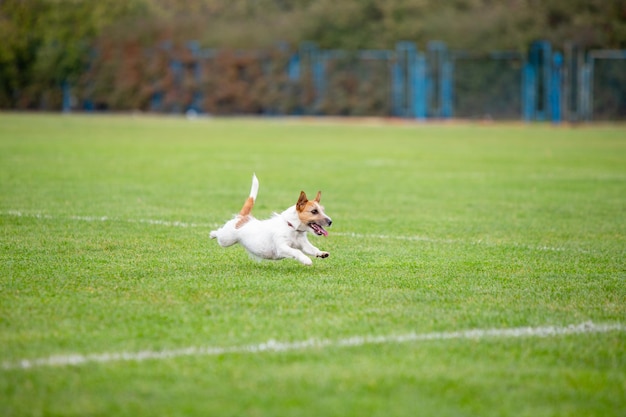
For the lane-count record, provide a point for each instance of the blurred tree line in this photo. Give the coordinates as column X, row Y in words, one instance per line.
column 45, row 43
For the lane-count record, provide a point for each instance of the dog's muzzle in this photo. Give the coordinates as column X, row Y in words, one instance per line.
column 318, row 229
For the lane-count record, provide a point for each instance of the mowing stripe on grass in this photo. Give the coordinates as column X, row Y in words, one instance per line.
column 166, row 223
column 275, row 346
column 460, row 241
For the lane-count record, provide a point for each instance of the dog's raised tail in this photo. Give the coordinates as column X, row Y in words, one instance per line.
column 244, row 214
column 254, row 190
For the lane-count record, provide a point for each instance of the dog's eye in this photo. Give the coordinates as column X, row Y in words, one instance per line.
column 314, row 211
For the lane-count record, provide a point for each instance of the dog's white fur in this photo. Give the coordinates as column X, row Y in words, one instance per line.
column 283, row 235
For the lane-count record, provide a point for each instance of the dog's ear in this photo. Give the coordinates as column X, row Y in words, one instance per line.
column 319, row 195
column 301, row 201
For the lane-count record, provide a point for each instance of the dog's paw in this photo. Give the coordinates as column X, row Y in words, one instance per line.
column 323, row 255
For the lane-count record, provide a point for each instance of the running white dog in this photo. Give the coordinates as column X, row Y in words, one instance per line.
column 282, row 236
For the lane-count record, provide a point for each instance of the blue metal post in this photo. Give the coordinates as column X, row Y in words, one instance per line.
column 540, row 57
column 293, row 67
column 315, row 60
column 447, row 88
column 586, row 89
column 177, row 69
column 196, row 103
column 408, row 82
column 439, row 82
column 555, row 87
column 411, row 80
column 419, row 89
column 529, row 96
column 156, row 101
column 397, row 88
column 319, row 79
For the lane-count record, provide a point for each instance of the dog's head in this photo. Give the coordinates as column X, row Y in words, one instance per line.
column 312, row 214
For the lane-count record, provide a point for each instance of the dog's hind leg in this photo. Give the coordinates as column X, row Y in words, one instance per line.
column 224, row 241
column 225, row 235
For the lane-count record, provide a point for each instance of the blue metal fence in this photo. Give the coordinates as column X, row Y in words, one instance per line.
column 488, row 86
column 541, row 85
column 606, row 99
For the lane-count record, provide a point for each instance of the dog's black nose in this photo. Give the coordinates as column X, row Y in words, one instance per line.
column 330, row 222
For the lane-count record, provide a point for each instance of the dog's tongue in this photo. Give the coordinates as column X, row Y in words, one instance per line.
column 319, row 229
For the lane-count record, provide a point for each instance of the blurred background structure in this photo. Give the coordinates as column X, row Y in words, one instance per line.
column 475, row 59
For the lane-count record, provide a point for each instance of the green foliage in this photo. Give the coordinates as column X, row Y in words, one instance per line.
column 47, row 42
column 19, row 47
column 480, row 25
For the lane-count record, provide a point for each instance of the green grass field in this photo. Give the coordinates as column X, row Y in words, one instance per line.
column 437, row 229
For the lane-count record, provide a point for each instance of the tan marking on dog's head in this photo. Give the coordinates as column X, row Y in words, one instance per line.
column 311, row 213
column 302, row 200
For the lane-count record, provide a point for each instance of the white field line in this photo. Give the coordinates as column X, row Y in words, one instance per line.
column 18, row 213
column 78, row 359
column 102, row 219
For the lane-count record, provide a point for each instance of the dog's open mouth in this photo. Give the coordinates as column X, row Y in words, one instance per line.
column 318, row 230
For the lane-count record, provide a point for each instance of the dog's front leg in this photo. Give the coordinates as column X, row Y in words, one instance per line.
column 309, row 249
column 289, row 252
